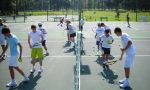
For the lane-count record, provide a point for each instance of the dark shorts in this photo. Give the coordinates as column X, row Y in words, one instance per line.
column 43, row 43
column 73, row 35
column 81, row 27
column 106, row 50
column 97, row 42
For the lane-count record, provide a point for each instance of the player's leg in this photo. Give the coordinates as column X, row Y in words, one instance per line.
column 12, row 83
column 12, row 63
column 44, row 45
column 33, row 59
column 40, row 58
column 25, row 79
column 128, row 63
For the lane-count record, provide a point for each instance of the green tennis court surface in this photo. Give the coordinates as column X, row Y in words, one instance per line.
column 59, row 66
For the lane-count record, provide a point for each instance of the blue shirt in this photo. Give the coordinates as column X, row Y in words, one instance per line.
column 12, row 42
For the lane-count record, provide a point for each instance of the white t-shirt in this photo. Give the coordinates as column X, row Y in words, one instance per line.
column 43, row 32
column 82, row 22
column 125, row 38
column 71, row 29
column 105, row 41
column 36, row 39
column 99, row 31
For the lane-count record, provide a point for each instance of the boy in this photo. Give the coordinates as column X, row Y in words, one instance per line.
column 34, row 40
column 44, row 36
column 71, row 31
column 99, row 32
column 12, row 42
column 61, row 22
column 81, row 24
column 129, row 50
column 2, row 38
column 106, row 40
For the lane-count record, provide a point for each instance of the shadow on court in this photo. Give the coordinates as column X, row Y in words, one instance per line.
column 107, row 73
column 28, row 85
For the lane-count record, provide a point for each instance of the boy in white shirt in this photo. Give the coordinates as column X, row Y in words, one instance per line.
column 2, row 38
column 99, row 32
column 81, row 24
column 44, row 36
column 35, row 39
column 106, row 41
column 129, row 50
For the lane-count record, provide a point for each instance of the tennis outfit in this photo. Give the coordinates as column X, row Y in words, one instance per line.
column 2, row 37
column 130, row 52
column 43, row 31
column 12, row 42
column 105, row 43
column 99, row 31
column 71, row 30
column 36, row 51
column 82, row 23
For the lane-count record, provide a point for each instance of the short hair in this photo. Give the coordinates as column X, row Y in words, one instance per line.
column 107, row 31
column 102, row 24
column 117, row 30
column 33, row 26
column 5, row 30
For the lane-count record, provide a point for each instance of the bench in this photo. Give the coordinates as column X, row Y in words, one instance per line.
column 56, row 18
column 103, row 17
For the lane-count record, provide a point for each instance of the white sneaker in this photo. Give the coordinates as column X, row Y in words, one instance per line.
column 26, row 79
column 32, row 70
column 40, row 70
column 122, row 81
column 124, row 85
column 11, row 84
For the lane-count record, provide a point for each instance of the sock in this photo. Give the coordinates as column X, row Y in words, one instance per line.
column 127, row 79
column 46, row 51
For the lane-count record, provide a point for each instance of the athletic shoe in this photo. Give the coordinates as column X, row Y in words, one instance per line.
column 122, row 81
column 26, row 79
column 32, row 70
column 40, row 70
column 46, row 54
column 11, row 84
column 125, row 84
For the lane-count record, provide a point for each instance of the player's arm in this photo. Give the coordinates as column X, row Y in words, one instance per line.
column 128, row 45
column 124, row 49
column 95, row 35
column 42, row 38
column 5, row 49
column 20, row 49
column 29, row 41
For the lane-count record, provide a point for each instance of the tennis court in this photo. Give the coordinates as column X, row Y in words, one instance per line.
column 59, row 66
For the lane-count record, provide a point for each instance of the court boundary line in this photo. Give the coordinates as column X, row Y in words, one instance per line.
column 85, row 56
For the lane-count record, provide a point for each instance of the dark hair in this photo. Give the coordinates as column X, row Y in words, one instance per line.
column 117, row 30
column 107, row 31
column 33, row 26
column 5, row 30
column 102, row 24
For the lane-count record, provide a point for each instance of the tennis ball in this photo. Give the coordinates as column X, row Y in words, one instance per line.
column 19, row 59
column 110, row 41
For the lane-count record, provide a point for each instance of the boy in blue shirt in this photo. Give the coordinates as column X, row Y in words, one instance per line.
column 13, row 42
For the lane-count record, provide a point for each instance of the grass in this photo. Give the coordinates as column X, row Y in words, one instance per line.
column 95, row 15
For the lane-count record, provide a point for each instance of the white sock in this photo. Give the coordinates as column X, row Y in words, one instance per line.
column 13, row 80
column 127, row 79
column 46, row 51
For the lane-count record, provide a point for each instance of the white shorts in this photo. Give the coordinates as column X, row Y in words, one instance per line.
column 129, row 61
column 2, row 41
column 13, row 61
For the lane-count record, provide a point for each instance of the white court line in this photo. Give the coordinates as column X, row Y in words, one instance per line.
column 85, row 56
